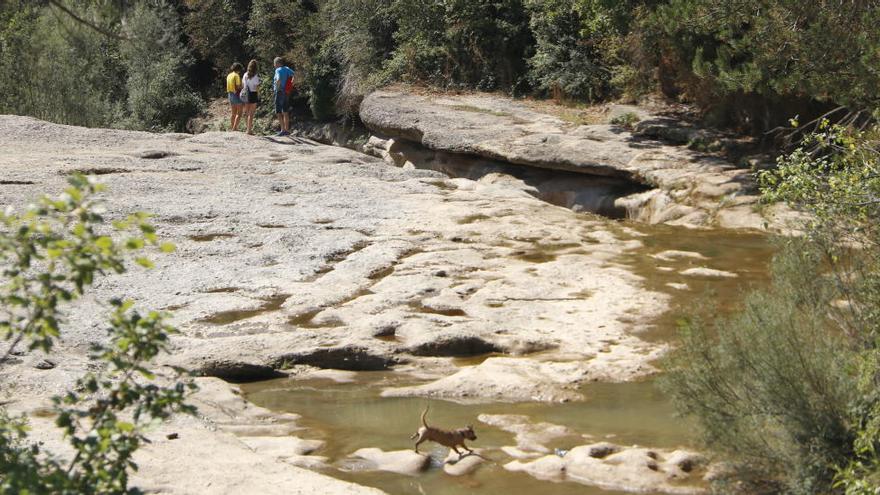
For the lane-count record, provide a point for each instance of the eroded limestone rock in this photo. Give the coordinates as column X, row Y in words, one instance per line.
column 612, row 467
column 399, row 461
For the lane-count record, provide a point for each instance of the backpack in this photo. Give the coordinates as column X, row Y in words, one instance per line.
column 288, row 85
column 243, row 96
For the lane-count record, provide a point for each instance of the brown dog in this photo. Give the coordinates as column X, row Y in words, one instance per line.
column 452, row 439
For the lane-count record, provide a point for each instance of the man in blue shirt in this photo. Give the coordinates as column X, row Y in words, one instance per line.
column 281, row 84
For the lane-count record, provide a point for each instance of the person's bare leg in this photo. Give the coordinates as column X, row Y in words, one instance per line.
column 236, row 116
column 250, row 118
column 286, row 117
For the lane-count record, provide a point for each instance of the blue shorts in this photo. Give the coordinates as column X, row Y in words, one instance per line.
column 280, row 102
column 234, row 99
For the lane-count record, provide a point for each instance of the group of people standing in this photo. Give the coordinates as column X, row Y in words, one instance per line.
column 243, row 92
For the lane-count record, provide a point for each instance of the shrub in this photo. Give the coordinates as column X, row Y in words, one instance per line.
column 577, row 46
column 761, row 62
column 771, row 386
column 49, row 256
column 159, row 94
column 628, row 120
column 835, row 176
column 789, row 387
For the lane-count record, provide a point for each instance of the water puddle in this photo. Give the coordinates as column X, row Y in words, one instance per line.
column 270, row 304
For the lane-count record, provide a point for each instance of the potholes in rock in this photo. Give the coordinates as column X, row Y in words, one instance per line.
column 8, row 182
column 303, row 319
column 456, row 346
column 443, row 185
column 155, row 154
column 473, row 218
column 342, row 358
column 222, row 290
column 237, row 372
column 270, row 304
column 97, row 171
column 381, row 274
column 420, row 307
column 320, row 272
column 387, row 333
column 209, row 237
column 307, row 320
column 341, row 255
column 271, row 226
column 544, row 253
column 535, row 256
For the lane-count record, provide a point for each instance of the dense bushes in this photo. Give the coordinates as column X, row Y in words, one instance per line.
column 760, row 62
column 788, row 388
column 65, row 71
column 578, row 46
column 156, row 65
column 750, row 63
column 771, row 386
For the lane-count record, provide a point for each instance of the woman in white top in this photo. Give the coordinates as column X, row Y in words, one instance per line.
column 251, row 83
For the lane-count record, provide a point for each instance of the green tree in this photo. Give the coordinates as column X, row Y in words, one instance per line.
column 50, row 255
column 760, row 61
column 578, row 46
column 217, row 32
column 159, row 94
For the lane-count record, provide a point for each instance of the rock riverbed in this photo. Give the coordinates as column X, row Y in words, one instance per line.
column 600, row 167
column 294, row 254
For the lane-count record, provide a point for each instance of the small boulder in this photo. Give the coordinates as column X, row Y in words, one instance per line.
column 399, row 461
column 44, row 364
column 456, row 465
column 708, row 273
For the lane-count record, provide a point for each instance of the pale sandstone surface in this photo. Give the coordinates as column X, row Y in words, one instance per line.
column 633, row 469
column 602, row 464
column 399, row 461
column 291, row 253
column 685, row 187
column 461, row 465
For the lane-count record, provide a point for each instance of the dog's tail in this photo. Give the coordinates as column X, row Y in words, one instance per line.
column 424, row 415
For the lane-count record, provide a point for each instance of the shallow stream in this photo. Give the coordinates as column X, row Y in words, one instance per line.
column 350, row 416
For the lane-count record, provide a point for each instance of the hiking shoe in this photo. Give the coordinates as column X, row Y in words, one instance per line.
column 283, row 133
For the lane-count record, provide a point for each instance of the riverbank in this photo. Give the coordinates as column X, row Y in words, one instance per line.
column 294, row 256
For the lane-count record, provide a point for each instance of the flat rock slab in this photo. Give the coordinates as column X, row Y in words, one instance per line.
column 399, row 461
column 292, row 253
column 283, row 446
column 530, row 437
column 461, row 465
column 613, row 467
column 690, row 188
column 708, row 273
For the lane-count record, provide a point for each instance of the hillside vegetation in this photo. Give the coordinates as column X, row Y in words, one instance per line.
column 748, row 63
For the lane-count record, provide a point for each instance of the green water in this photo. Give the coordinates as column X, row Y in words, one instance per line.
column 350, row 416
